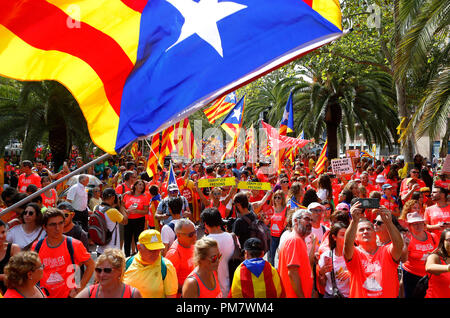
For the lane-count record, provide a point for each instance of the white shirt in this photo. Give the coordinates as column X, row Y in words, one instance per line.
column 115, row 239
column 168, row 236
column 341, row 274
column 226, row 248
column 18, row 236
column 78, row 196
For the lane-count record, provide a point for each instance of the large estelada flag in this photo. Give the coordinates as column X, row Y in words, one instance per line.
column 277, row 141
column 136, row 68
column 232, row 125
column 220, row 107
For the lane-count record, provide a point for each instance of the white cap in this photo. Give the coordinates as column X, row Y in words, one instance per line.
column 380, row 179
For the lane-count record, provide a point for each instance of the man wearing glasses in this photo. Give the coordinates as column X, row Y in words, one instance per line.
column 437, row 216
column 59, row 255
column 414, row 174
column 72, row 229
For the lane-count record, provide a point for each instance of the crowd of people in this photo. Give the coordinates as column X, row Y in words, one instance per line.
column 308, row 236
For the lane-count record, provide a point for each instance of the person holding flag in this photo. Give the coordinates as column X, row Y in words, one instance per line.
column 162, row 211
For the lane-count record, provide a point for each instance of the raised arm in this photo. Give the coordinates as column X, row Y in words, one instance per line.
column 350, row 233
column 394, row 233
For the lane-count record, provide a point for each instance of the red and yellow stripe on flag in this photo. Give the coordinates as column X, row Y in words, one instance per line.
column 134, row 150
column 247, row 285
column 320, row 165
column 166, row 144
column 219, row 108
column 152, row 162
column 75, row 43
column 249, row 140
column 183, row 138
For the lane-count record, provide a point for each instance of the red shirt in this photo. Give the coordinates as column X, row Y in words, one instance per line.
column 435, row 214
column 418, row 252
column 25, row 181
column 141, row 201
column 373, row 276
column 49, row 201
column 278, row 223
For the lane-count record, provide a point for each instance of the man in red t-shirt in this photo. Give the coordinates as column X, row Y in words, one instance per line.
column 442, row 182
column 373, row 268
column 437, row 217
column 294, row 262
column 28, row 177
column 59, row 264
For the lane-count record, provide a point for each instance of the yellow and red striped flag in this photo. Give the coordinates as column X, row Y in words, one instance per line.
column 249, row 140
column 134, row 150
column 166, row 144
column 152, row 162
column 220, row 107
column 184, row 140
column 320, row 165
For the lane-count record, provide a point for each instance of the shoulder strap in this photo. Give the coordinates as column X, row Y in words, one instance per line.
column 333, row 278
column 172, row 226
column 163, row 268
column 38, row 245
column 70, row 248
column 128, row 262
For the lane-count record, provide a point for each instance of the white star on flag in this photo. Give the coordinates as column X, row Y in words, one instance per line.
column 201, row 19
column 237, row 114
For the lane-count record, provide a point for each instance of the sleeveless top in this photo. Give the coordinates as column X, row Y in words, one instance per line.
column 205, row 292
column 277, row 221
column 438, row 285
column 128, row 291
column 3, row 263
column 14, row 293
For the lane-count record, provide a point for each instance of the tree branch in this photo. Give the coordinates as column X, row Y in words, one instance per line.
column 351, row 59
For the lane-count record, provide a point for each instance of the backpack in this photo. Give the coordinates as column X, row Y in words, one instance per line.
column 259, row 229
column 163, row 265
column 98, row 229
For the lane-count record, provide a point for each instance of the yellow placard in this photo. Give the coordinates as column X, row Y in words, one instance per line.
column 254, row 185
column 216, row 182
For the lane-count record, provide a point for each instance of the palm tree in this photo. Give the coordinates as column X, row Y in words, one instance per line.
column 423, row 54
column 34, row 111
column 339, row 105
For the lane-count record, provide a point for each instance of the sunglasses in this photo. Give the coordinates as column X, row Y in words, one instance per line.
column 67, row 214
column 30, row 213
column 379, row 223
column 107, row 270
column 414, row 171
column 215, row 258
column 284, row 181
column 277, row 198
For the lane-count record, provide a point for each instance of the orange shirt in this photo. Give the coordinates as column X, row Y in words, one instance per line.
column 435, row 214
column 438, row 285
column 141, row 201
column 49, row 201
column 293, row 252
column 25, row 181
column 418, row 252
column 204, row 292
column 373, row 276
column 278, row 223
column 182, row 260
column 58, row 277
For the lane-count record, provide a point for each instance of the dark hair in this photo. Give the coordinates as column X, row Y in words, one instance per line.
column 38, row 212
column 8, row 193
column 19, row 196
column 175, row 205
column 133, row 187
column 440, row 249
column 2, row 223
column 242, row 199
column 52, row 213
column 330, row 203
column 211, row 217
column 27, row 163
column 108, row 193
column 31, row 188
column 153, row 190
column 127, row 175
column 310, row 197
column 348, row 194
column 442, row 190
column 130, row 164
column 335, row 228
column 416, row 195
column 341, row 217
column 325, row 183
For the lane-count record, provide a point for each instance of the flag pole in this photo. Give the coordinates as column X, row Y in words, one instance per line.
column 54, row 184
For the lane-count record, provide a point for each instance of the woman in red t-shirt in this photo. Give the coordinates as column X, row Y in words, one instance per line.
column 49, row 197
column 277, row 222
column 23, row 272
column 136, row 203
column 420, row 243
column 438, row 265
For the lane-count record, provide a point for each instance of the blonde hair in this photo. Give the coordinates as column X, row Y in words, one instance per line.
column 407, row 208
column 115, row 257
column 202, row 247
column 18, row 267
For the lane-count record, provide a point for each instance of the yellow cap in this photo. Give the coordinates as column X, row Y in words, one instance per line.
column 151, row 239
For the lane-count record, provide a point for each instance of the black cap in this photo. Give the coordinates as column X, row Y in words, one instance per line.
column 66, row 206
column 253, row 244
